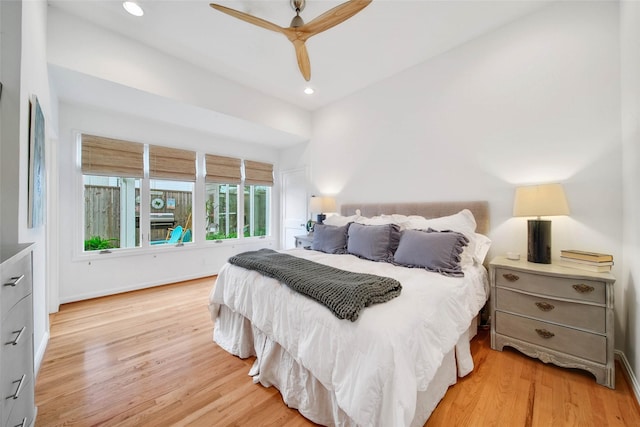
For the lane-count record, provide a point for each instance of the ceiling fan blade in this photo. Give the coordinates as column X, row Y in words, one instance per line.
column 303, row 59
column 248, row 18
column 331, row 18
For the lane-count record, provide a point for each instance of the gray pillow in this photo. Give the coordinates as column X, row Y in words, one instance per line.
column 330, row 238
column 437, row 251
column 374, row 242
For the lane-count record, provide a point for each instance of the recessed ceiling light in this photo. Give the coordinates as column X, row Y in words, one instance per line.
column 308, row 90
column 133, row 8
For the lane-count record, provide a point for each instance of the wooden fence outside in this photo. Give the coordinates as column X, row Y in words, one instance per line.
column 102, row 211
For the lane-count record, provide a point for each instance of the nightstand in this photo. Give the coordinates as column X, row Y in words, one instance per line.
column 304, row 241
column 557, row 314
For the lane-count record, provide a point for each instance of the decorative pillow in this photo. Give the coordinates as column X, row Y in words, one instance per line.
column 330, row 239
column 339, row 220
column 462, row 222
column 437, row 251
column 373, row 242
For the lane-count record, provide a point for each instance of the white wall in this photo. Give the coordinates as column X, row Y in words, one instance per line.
column 85, row 276
column 630, row 90
column 535, row 101
column 24, row 74
column 86, row 48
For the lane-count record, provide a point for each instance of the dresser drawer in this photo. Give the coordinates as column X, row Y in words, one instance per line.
column 16, row 358
column 566, row 340
column 562, row 287
column 16, row 282
column 583, row 316
column 23, row 409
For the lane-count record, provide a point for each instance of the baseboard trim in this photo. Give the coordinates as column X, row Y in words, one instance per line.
column 39, row 356
column 633, row 380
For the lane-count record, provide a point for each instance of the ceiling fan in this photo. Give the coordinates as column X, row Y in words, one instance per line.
column 298, row 32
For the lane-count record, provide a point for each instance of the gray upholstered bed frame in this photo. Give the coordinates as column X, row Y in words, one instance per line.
column 480, row 210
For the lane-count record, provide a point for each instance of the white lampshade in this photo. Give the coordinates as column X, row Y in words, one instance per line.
column 322, row 204
column 540, row 200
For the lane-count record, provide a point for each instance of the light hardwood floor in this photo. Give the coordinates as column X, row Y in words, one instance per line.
column 146, row 358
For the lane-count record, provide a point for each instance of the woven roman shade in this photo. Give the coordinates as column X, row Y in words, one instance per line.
column 223, row 170
column 111, row 157
column 171, row 163
column 258, row 173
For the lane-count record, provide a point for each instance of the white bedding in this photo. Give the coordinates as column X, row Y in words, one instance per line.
column 375, row 366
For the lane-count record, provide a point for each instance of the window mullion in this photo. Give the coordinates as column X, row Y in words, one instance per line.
column 145, row 202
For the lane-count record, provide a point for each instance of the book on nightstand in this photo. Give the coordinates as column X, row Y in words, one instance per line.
column 585, row 256
column 590, row 261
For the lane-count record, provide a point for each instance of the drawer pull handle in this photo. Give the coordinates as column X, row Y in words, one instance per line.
column 545, row 334
column 510, row 277
column 19, row 389
column 14, row 281
column 583, row 289
column 545, row 306
column 17, row 338
column 23, row 423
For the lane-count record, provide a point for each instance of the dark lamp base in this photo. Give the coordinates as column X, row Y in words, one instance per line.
column 321, row 217
column 539, row 244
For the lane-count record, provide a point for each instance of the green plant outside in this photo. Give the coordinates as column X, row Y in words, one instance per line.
column 222, row 236
column 97, row 243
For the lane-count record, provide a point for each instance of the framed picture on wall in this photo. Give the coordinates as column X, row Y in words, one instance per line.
column 37, row 184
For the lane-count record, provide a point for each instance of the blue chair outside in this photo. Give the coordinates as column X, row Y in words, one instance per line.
column 175, row 236
column 186, row 237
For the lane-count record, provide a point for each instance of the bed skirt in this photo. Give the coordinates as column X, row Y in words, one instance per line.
column 274, row 366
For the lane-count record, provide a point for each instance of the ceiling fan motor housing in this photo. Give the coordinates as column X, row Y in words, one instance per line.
column 298, row 5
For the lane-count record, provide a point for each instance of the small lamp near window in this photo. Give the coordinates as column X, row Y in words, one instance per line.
column 540, row 200
column 320, row 205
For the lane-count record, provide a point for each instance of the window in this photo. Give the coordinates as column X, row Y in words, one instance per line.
column 112, row 172
column 172, row 173
column 257, row 198
column 223, row 176
column 141, row 195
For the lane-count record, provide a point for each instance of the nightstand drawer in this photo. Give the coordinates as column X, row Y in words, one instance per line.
column 559, row 338
column 590, row 317
column 304, row 241
column 553, row 286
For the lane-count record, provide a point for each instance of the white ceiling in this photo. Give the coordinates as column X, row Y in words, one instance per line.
column 388, row 36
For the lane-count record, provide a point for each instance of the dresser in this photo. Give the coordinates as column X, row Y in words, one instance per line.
column 304, row 241
column 16, row 345
column 557, row 314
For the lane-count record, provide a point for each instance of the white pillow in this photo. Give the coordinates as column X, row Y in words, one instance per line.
column 483, row 243
column 339, row 220
column 384, row 220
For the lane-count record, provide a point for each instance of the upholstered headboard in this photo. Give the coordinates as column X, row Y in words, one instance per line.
column 480, row 210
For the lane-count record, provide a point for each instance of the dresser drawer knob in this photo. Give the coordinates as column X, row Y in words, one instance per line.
column 545, row 306
column 583, row 289
column 19, row 389
column 545, row 334
column 17, row 338
column 14, row 281
column 510, row 277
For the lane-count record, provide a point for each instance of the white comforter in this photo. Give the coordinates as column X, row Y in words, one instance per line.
column 375, row 365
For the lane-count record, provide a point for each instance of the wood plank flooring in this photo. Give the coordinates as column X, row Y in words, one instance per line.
column 146, row 358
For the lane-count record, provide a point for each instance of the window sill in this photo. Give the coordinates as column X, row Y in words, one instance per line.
column 165, row 248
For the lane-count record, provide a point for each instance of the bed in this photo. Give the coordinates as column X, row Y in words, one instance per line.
column 396, row 360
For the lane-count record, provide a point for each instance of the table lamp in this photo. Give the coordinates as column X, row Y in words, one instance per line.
column 320, row 205
column 540, row 200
